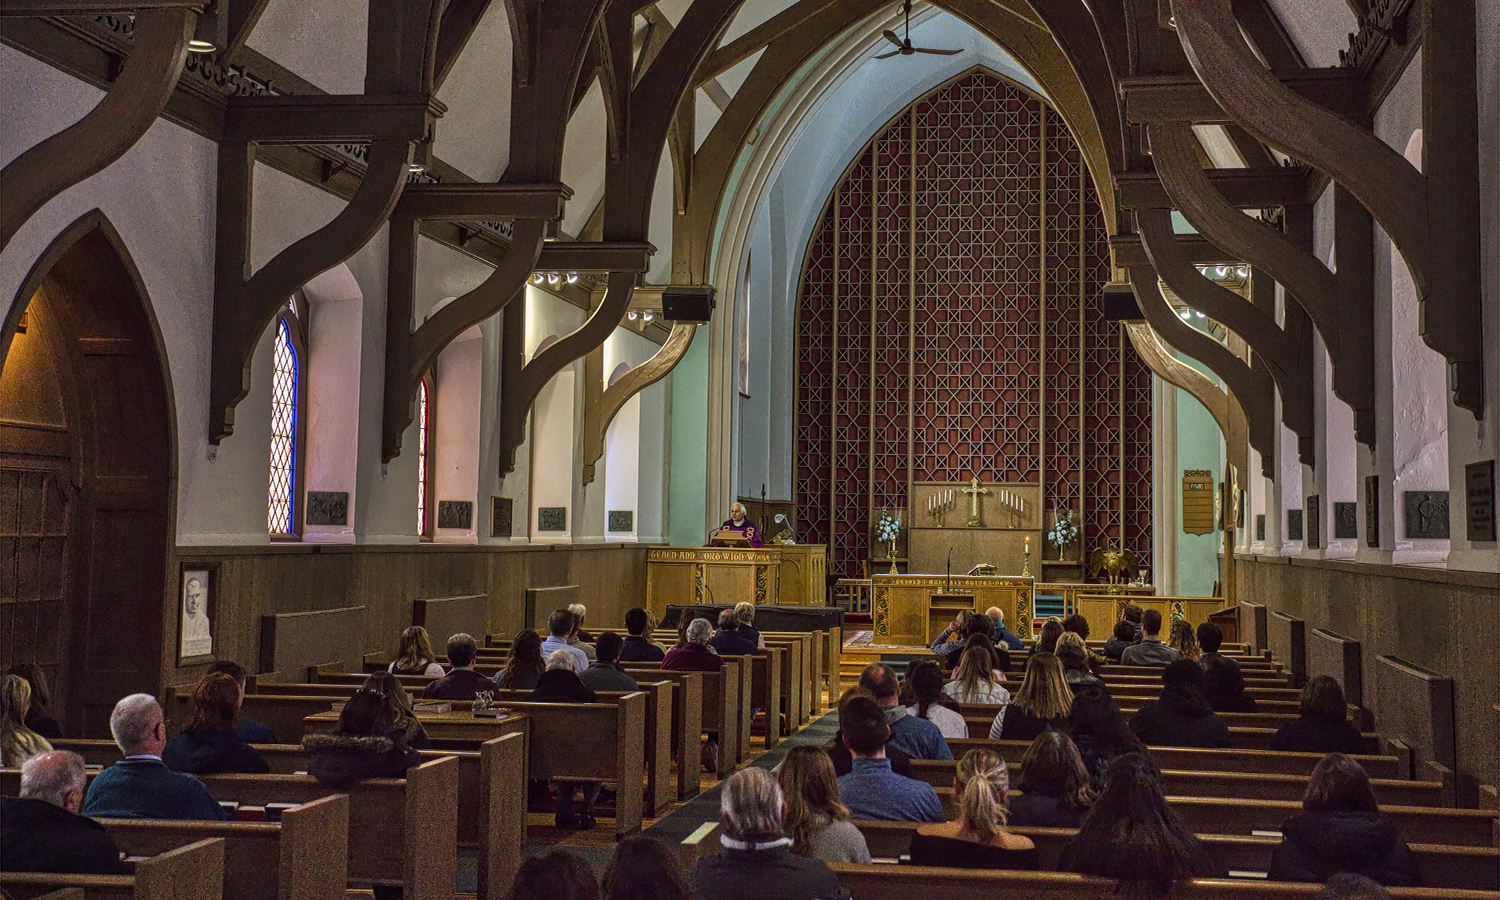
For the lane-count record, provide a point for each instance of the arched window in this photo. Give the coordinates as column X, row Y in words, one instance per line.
column 284, row 519
column 426, row 398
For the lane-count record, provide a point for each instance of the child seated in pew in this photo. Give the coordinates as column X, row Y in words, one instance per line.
column 414, row 655
column 816, row 821
column 977, row 839
column 1322, row 725
column 1341, row 829
column 1133, row 835
column 210, row 745
column 398, row 706
column 561, row 684
column 525, row 666
column 1056, row 790
column 367, row 745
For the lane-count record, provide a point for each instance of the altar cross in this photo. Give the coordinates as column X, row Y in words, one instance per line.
column 974, row 491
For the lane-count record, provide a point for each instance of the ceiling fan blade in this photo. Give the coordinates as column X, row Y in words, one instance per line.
column 936, row 52
column 889, row 55
column 891, row 36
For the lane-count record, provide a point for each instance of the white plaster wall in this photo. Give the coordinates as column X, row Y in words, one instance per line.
column 321, row 40
column 474, row 135
column 551, row 448
column 583, row 159
column 335, row 310
column 1318, row 27
column 659, row 226
column 455, row 455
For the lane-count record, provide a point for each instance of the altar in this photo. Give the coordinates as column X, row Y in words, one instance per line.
column 912, row 610
column 974, row 522
column 777, row 574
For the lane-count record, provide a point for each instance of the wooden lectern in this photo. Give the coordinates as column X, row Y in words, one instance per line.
column 728, row 537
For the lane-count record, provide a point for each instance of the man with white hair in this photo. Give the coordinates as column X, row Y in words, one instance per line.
column 582, row 612
column 695, row 655
column 1003, row 635
column 42, row 830
column 140, row 786
column 738, row 522
column 757, row 861
column 745, row 612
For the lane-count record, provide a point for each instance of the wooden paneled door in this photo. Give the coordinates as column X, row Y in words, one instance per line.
column 86, row 459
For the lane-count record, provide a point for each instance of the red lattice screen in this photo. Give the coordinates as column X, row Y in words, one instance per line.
column 1015, row 373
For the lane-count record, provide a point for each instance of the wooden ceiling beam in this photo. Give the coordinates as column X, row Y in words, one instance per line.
column 1129, row 252
column 460, row 19
column 1242, row 188
column 329, row 118
column 482, row 201
column 603, row 256
column 751, row 42
column 1183, row 98
column 90, row 7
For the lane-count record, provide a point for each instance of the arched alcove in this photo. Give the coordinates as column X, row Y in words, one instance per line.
column 335, row 327
column 86, row 416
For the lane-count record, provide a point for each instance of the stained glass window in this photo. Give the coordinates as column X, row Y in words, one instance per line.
column 422, row 459
column 282, row 514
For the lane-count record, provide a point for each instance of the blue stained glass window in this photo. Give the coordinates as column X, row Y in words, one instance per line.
column 282, row 508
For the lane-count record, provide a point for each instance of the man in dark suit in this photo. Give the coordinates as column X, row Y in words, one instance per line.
column 461, row 682
column 42, row 830
column 727, row 640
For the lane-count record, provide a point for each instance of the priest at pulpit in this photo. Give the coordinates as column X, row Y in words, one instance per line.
column 739, row 524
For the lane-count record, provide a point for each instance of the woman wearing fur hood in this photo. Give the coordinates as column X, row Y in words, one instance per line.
column 367, row 745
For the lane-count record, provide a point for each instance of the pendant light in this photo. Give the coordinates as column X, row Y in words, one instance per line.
column 212, row 31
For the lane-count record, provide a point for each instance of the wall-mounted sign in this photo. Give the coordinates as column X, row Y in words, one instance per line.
column 1197, row 501
column 1314, row 521
column 1479, row 500
column 500, row 511
column 552, row 518
column 1345, row 520
column 1294, row 524
column 1426, row 514
column 1372, row 510
column 455, row 513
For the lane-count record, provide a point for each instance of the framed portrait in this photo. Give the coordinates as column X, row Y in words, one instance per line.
column 196, row 616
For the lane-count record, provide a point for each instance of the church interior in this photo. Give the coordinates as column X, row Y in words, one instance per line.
column 328, row 320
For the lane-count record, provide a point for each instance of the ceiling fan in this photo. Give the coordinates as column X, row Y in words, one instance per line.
column 904, row 47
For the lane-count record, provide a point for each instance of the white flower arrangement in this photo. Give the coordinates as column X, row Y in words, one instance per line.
column 888, row 528
column 1064, row 530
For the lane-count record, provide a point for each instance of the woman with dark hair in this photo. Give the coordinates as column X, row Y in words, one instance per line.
column 1182, row 717
column 210, row 744
column 38, row 716
column 1056, row 791
column 1323, row 725
column 1341, row 829
column 644, row 869
column 557, row 876
column 1133, row 835
column 1042, row 703
column 815, row 820
column 1074, row 656
column 683, row 621
column 414, row 655
column 926, row 683
column 977, row 838
column 1046, row 642
column 525, row 666
column 978, row 630
column 1224, row 684
column 366, row 745
column 975, row 679
column 1098, row 730
column 398, row 704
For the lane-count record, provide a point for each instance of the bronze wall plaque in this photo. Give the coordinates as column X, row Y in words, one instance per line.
column 1372, row 510
column 1479, row 500
column 1198, row 501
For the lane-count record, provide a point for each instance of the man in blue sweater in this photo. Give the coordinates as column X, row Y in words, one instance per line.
column 140, row 786
column 916, row 737
column 871, row 790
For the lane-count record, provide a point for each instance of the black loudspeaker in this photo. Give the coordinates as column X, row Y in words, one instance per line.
column 688, row 303
column 1120, row 304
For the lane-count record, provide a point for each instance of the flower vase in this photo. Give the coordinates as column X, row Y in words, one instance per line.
column 894, row 570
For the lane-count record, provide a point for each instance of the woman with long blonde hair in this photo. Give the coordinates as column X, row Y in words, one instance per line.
column 17, row 742
column 974, row 680
column 414, row 656
column 815, row 820
column 977, row 839
column 1042, row 702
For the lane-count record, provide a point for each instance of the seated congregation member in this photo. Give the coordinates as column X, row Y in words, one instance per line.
column 954, row 636
column 414, row 655
column 525, row 666
column 1224, row 684
column 976, row 681
column 645, row 869
column 1042, row 703
column 843, row 760
column 252, row 731
column 558, row 875
column 1133, row 835
column 1074, row 657
column 1182, row 717
column 1002, row 635
column 695, row 655
column 728, row 641
column 18, row 743
column 1322, row 725
column 575, row 639
column 559, row 633
column 638, row 646
column 209, row 745
column 815, row 820
column 1210, row 639
column 1046, row 641
column 1136, row 616
column 461, row 682
column 41, row 830
column 758, row 862
column 140, row 786
column 582, row 612
column 978, row 631
column 977, row 839
column 1348, row 886
column 561, row 684
column 917, row 738
column 1079, row 625
column 1098, row 730
column 745, row 612
column 38, row 716
column 605, row 674
column 1122, row 638
column 1341, row 829
column 1056, row 790
column 1150, row 651
column 926, row 683
column 871, row 790
column 366, row 745
column 1184, row 641
column 398, row 706
column 683, row 622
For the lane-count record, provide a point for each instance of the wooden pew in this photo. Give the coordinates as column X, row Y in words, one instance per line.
column 768, row 692
column 302, row 857
column 284, row 715
column 719, row 702
column 1241, row 737
column 404, row 829
column 1273, row 762
column 1288, row 637
column 191, row 872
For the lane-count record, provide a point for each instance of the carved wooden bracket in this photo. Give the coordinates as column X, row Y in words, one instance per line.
column 601, row 407
column 1433, row 220
column 92, row 143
